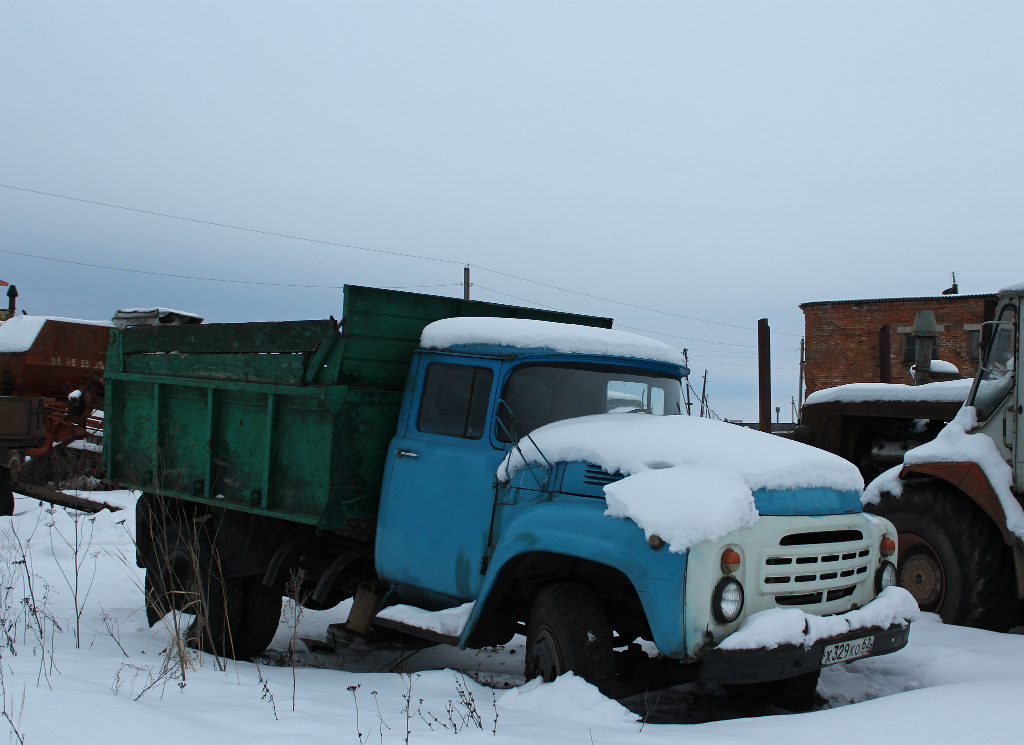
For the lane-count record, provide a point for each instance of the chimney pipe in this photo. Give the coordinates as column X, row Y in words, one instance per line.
column 764, row 376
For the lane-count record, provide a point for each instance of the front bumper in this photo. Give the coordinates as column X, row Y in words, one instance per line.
column 758, row 665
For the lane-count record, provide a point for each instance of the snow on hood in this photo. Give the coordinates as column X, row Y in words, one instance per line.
column 953, row 391
column 954, row 445
column 19, row 333
column 521, row 333
column 688, row 479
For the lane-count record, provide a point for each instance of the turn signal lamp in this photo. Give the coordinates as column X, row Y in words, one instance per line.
column 888, row 546
column 730, row 561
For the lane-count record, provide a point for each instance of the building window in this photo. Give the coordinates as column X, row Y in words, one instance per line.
column 974, row 345
column 910, row 348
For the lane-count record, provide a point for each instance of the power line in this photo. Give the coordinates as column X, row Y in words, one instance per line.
column 235, row 227
column 207, row 279
column 357, row 248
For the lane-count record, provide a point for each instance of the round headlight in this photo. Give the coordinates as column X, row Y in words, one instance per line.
column 885, row 576
column 727, row 600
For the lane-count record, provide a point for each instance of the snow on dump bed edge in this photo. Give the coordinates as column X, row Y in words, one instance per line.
column 954, row 391
column 522, row 333
column 954, row 445
column 19, row 333
column 688, row 479
column 777, row 626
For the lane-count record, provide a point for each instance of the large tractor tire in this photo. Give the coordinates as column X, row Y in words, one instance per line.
column 952, row 557
column 568, row 630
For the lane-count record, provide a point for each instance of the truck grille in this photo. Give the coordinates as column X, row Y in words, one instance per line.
column 814, row 568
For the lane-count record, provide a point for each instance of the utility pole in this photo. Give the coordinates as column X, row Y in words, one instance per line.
column 800, row 385
column 686, row 361
column 704, row 394
column 465, row 283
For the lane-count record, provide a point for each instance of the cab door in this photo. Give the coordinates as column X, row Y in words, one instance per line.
column 438, row 499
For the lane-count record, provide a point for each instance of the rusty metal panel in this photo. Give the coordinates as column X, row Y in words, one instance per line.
column 61, row 359
column 22, row 422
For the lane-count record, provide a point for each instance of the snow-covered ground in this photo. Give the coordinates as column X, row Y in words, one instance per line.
column 950, row 685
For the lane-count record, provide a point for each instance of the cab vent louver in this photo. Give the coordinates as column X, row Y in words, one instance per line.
column 594, row 476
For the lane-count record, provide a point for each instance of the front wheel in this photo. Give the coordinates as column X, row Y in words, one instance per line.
column 952, row 557
column 568, row 630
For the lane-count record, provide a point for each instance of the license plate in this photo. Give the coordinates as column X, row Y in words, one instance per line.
column 845, row 651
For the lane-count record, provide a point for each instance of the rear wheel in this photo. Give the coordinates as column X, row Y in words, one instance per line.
column 952, row 557
column 261, row 615
column 569, row 631
column 234, row 617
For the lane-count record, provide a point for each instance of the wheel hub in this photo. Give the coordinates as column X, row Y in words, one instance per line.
column 547, row 654
column 921, row 572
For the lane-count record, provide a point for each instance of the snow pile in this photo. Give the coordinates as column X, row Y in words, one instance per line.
column 887, row 482
column 689, row 479
column 19, row 333
column 950, row 686
column 448, row 622
column 160, row 311
column 521, row 333
column 940, row 367
column 569, row 696
column 778, row 626
column 952, row 391
column 954, row 445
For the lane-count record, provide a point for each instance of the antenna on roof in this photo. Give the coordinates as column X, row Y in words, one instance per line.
column 954, row 290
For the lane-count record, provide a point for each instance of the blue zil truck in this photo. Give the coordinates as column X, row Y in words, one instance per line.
column 369, row 459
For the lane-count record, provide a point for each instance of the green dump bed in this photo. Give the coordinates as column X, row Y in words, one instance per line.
column 290, row 419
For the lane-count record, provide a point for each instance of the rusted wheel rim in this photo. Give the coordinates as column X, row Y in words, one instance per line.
column 547, row 654
column 921, row 572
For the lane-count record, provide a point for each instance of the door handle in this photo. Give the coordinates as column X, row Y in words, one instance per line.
column 406, row 453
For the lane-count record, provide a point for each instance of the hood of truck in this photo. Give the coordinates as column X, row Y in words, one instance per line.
column 686, row 479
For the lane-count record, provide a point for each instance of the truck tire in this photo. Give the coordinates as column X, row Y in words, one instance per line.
column 793, row 694
column 232, row 617
column 363, row 529
column 260, row 617
column 569, row 630
column 952, row 557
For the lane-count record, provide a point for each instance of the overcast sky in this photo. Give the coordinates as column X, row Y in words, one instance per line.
column 693, row 166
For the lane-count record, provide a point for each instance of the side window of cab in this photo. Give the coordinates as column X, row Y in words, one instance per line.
column 454, row 400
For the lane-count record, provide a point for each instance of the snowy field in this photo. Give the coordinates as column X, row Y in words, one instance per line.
column 950, row 685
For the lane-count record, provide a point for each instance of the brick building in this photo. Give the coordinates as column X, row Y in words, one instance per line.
column 845, row 339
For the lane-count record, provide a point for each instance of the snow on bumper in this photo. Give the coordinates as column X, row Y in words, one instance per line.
column 783, row 642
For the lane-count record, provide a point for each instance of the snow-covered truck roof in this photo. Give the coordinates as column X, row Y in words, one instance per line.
column 518, row 334
column 948, row 391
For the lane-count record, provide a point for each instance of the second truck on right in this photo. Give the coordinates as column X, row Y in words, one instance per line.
column 954, row 492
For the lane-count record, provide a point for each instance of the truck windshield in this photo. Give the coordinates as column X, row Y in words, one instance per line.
column 541, row 394
column 995, row 376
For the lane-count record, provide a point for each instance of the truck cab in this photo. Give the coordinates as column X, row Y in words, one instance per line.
column 473, row 513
